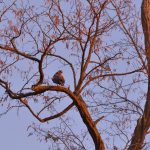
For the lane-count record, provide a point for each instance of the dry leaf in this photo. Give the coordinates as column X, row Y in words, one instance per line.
column 56, row 20
column 25, row 101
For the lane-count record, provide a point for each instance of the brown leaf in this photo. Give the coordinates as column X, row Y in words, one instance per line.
column 25, row 101
column 16, row 30
column 10, row 23
column 57, row 20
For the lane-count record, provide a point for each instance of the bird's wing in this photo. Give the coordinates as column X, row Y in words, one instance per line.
column 61, row 78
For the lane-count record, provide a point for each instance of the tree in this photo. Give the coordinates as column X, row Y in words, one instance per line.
column 106, row 75
column 143, row 123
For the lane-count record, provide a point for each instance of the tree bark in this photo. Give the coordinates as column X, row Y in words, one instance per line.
column 143, row 123
column 90, row 124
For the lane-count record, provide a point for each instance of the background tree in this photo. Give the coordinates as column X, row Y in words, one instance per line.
column 143, row 122
column 98, row 45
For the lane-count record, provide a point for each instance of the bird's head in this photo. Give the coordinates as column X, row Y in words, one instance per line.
column 60, row 71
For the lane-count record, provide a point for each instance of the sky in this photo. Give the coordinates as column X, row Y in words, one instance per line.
column 14, row 134
column 13, row 130
column 13, row 126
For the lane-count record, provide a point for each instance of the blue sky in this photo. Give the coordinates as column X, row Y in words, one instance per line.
column 13, row 130
column 14, row 134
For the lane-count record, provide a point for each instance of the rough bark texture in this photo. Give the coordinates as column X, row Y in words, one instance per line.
column 143, row 123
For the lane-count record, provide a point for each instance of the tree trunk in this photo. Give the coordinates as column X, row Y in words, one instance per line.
column 86, row 117
column 143, row 123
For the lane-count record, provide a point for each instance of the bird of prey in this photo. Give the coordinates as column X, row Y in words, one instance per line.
column 58, row 78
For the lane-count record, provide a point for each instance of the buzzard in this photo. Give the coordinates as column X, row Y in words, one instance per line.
column 58, row 78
